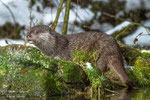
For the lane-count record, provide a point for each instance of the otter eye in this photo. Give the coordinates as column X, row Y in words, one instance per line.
column 36, row 32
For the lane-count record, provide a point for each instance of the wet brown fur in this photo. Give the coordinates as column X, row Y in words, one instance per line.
column 62, row 47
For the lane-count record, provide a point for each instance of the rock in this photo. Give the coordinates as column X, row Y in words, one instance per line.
column 26, row 71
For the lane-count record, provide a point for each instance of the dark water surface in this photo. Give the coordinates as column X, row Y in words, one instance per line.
column 139, row 94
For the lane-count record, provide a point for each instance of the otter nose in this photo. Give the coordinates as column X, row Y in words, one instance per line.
column 28, row 35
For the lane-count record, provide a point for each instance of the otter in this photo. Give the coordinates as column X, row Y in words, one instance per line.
column 62, row 47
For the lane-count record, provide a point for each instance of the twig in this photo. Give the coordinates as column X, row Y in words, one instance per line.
column 30, row 22
column 6, row 41
column 122, row 31
column 136, row 38
column 68, row 23
column 66, row 18
column 111, row 91
column 30, row 11
column 76, row 16
column 58, row 14
column 9, row 11
column 56, row 3
column 30, row 14
column 51, row 10
column 133, row 23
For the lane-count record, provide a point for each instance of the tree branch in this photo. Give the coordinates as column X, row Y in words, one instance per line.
column 9, row 11
column 57, row 15
column 66, row 18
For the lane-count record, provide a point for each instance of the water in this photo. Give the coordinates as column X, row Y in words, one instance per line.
column 139, row 94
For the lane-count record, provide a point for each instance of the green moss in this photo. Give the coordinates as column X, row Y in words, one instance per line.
column 99, row 81
column 140, row 73
column 146, row 55
column 129, row 53
column 70, row 72
column 119, row 34
column 53, row 86
column 15, row 60
column 28, row 69
column 82, row 56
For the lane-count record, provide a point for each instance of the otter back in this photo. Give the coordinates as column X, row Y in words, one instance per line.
column 63, row 47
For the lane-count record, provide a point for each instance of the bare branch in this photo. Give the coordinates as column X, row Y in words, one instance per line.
column 9, row 11
column 76, row 16
column 133, row 23
column 66, row 18
column 58, row 14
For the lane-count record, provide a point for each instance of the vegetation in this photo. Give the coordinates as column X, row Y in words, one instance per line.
column 26, row 71
column 30, row 71
column 140, row 73
column 100, row 82
column 109, row 81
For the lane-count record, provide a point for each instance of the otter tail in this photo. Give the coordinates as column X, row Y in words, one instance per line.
column 116, row 64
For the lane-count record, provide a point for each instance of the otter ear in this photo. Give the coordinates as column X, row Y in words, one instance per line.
column 52, row 32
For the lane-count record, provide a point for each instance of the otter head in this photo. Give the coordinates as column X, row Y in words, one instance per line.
column 40, row 35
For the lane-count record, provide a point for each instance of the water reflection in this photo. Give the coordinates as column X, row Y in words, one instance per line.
column 124, row 94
